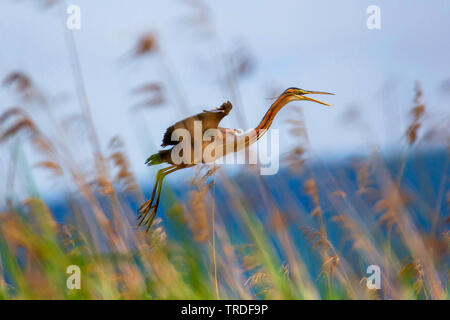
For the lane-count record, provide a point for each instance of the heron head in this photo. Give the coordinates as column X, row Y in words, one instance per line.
column 299, row 94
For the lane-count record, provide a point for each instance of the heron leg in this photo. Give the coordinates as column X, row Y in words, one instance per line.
column 155, row 206
column 145, row 208
column 148, row 211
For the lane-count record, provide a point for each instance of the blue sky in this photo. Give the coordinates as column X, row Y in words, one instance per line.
column 319, row 45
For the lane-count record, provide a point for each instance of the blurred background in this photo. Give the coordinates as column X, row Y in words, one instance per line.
column 82, row 109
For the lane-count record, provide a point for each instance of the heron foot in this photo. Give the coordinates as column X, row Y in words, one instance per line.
column 147, row 214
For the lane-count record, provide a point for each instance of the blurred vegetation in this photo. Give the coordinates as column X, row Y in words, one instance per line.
column 222, row 240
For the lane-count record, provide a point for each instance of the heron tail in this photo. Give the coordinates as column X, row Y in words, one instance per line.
column 154, row 159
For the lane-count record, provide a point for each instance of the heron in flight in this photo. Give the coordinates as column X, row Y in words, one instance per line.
column 225, row 141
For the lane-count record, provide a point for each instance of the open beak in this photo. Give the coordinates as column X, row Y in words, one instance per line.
column 314, row 100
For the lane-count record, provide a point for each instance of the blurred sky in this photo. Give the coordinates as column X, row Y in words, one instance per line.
column 318, row 45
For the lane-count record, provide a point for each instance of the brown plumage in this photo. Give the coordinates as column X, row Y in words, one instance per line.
column 210, row 119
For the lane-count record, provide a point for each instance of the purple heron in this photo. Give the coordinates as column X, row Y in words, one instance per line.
column 210, row 120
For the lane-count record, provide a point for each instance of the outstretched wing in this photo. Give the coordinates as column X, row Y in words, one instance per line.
column 210, row 119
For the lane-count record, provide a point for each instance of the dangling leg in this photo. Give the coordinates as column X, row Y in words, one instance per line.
column 145, row 208
column 149, row 202
column 155, row 206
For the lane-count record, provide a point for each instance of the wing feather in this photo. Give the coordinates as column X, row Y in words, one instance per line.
column 210, row 119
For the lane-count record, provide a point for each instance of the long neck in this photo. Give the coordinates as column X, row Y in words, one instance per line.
column 267, row 120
